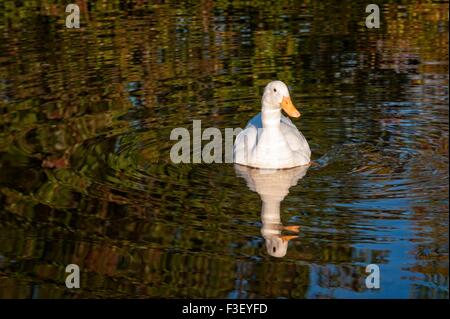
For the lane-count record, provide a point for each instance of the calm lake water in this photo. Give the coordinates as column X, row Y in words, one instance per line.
column 86, row 177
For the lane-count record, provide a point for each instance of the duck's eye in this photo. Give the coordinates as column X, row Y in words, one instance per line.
column 274, row 90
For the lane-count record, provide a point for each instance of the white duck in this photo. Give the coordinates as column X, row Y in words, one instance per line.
column 271, row 140
column 273, row 186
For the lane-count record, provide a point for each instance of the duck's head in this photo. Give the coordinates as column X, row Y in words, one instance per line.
column 276, row 96
column 277, row 245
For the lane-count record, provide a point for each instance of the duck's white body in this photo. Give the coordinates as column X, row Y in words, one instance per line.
column 271, row 140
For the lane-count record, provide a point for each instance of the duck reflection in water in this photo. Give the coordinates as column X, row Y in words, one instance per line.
column 273, row 186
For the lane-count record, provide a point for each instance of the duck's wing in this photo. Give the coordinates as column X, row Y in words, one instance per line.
column 246, row 140
column 294, row 137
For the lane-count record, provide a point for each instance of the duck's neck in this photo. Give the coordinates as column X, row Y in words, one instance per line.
column 270, row 215
column 270, row 212
column 270, row 116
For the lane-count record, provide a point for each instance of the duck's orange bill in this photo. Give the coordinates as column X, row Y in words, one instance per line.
column 288, row 238
column 292, row 228
column 289, row 108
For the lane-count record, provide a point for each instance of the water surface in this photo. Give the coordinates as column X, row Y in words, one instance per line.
column 86, row 178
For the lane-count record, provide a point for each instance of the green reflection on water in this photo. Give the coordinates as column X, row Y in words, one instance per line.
column 84, row 146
